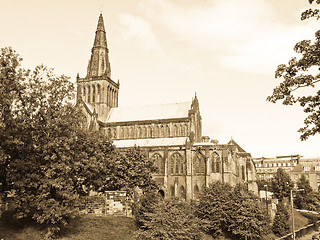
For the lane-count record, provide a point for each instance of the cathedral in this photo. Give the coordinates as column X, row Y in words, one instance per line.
column 170, row 134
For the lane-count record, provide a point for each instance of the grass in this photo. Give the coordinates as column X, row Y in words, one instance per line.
column 299, row 221
column 93, row 227
column 82, row 228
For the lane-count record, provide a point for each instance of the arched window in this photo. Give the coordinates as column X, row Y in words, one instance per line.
column 182, row 192
column 139, row 132
column 131, row 132
column 159, row 163
column 215, row 163
column 93, row 93
column 161, row 134
column 243, row 173
column 109, row 133
column 114, row 133
column 89, row 94
column 99, row 93
column 161, row 193
column 183, row 131
column 125, row 133
column 167, row 131
column 178, row 163
column 149, row 131
column 172, row 166
column 178, row 130
column 172, row 191
column 144, row 132
column 199, row 164
column 175, row 131
column 84, row 93
column 218, row 168
column 196, row 192
column 121, row 133
column 156, row 131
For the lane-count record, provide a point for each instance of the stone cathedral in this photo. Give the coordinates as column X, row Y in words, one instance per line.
column 170, row 134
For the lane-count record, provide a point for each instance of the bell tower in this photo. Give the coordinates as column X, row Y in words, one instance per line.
column 97, row 89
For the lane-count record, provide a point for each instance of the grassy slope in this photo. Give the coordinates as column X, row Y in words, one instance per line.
column 93, row 227
column 84, row 228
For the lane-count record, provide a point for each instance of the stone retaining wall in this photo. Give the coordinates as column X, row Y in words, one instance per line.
column 110, row 203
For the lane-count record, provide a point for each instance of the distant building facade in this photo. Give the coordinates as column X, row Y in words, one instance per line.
column 170, row 134
column 294, row 165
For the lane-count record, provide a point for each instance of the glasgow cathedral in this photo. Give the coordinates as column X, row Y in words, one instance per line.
column 170, row 134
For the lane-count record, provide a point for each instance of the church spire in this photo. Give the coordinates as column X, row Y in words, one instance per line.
column 99, row 64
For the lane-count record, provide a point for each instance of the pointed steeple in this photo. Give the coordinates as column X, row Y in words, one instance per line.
column 99, row 64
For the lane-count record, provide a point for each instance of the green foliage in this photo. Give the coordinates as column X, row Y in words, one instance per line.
column 237, row 211
column 296, row 75
column 306, row 199
column 264, row 184
column 131, row 169
column 281, row 184
column 145, row 205
column 47, row 159
column 213, row 206
column 281, row 225
column 248, row 219
column 169, row 219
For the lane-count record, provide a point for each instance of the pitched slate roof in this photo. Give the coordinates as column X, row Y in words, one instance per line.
column 149, row 112
column 151, row 142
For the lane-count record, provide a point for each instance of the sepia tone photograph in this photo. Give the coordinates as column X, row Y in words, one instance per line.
column 159, row 119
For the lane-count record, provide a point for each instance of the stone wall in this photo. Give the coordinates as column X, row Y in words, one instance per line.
column 110, row 203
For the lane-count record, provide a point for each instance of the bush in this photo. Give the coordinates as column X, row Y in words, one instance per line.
column 234, row 211
column 167, row 219
column 281, row 221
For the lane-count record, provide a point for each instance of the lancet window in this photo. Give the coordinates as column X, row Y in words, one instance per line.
column 199, row 164
column 159, row 163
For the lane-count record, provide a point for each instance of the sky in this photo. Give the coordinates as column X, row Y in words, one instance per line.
column 166, row 51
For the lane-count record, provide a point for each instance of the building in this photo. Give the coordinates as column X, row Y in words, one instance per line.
column 294, row 165
column 266, row 167
column 170, row 134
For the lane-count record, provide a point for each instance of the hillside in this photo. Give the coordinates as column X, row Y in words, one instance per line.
column 83, row 228
column 94, row 228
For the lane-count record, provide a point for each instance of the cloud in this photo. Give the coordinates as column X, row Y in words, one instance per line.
column 139, row 31
column 246, row 35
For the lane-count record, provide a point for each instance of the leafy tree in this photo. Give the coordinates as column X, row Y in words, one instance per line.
column 306, row 199
column 248, row 219
column 131, row 169
column 281, row 184
column 281, row 221
column 213, row 207
column 263, row 184
column 296, row 76
column 236, row 211
column 47, row 159
column 169, row 219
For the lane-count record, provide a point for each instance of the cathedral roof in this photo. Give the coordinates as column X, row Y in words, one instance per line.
column 150, row 112
column 151, row 142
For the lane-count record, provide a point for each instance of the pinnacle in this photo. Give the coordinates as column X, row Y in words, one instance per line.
column 100, row 26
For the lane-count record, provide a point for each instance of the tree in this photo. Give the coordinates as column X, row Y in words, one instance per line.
column 297, row 75
column 248, row 218
column 234, row 211
column 306, row 199
column 168, row 219
column 281, row 184
column 47, row 159
column 281, row 221
column 213, row 207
